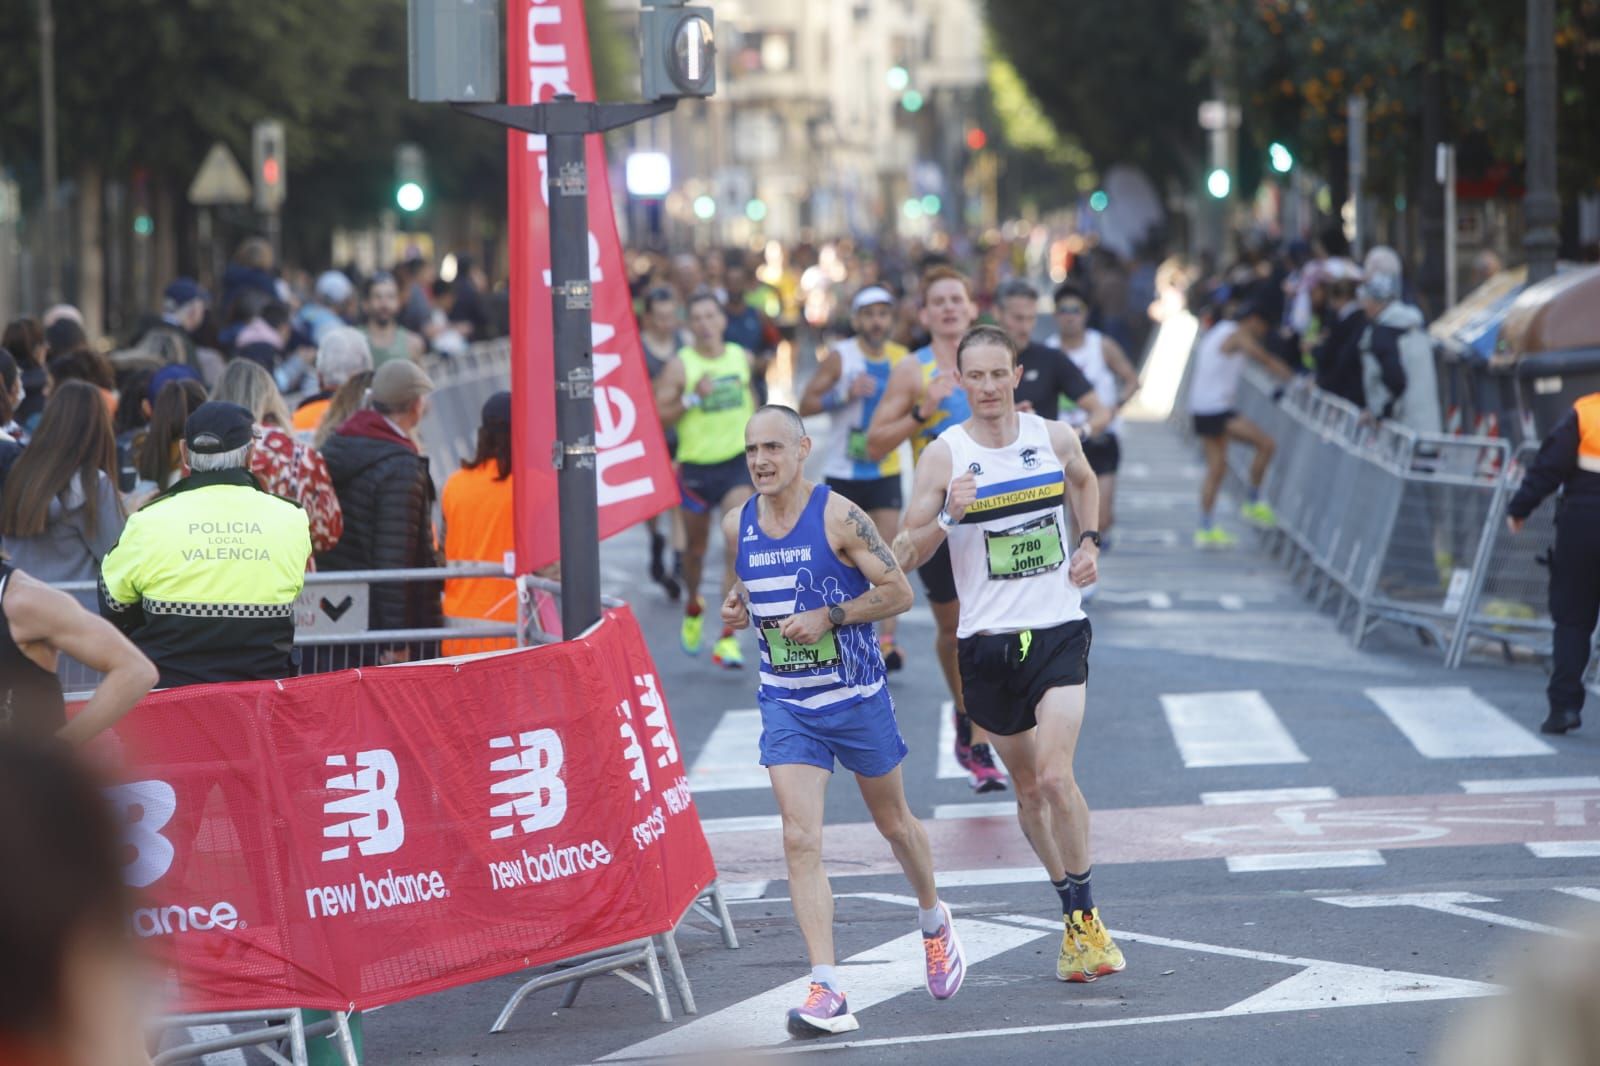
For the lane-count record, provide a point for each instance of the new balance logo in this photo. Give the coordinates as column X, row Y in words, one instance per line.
column 540, row 794
column 375, row 822
column 145, row 808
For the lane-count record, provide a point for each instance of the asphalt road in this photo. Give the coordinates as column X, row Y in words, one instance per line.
column 1309, row 853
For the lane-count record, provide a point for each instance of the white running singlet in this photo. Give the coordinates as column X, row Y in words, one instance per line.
column 1011, row 549
column 1091, row 359
column 1216, row 373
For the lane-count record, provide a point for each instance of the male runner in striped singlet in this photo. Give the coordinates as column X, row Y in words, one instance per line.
column 814, row 575
column 994, row 486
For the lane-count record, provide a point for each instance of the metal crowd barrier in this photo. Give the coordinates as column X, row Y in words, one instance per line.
column 1384, row 524
column 449, row 429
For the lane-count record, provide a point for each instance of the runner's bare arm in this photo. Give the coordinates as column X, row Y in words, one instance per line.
column 892, row 422
column 852, row 535
column 1245, row 345
column 1083, row 490
column 1122, row 367
column 39, row 614
column 669, row 392
column 736, row 608
column 920, row 532
column 1099, row 412
column 821, row 383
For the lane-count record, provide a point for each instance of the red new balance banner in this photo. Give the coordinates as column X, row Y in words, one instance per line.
column 363, row 837
column 547, row 52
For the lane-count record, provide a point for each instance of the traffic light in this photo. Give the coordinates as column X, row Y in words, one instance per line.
column 976, row 139
column 1219, row 183
column 1279, row 156
column 898, row 79
column 1099, row 201
column 410, row 178
column 678, row 52
column 270, row 172
column 911, row 100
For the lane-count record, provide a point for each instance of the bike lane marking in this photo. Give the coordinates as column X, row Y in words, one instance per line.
column 1166, row 834
column 1451, row 903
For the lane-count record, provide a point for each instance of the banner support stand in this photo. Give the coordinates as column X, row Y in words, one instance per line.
column 566, row 122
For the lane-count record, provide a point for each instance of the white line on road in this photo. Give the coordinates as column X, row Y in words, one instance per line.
column 1455, row 723
column 728, row 761
column 874, row 976
column 1565, row 849
column 1228, row 729
column 1452, row 903
column 948, row 767
column 1002, row 808
column 742, row 824
column 1303, row 860
column 1268, row 795
column 1590, row 894
column 1530, row 784
column 744, row 891
column 1156, row 601
column 1230, row 602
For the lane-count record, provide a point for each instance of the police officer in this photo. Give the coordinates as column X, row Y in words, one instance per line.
column 1569, row 459
column 205, row 576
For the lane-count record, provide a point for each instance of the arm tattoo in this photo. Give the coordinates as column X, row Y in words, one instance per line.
column 869, row 536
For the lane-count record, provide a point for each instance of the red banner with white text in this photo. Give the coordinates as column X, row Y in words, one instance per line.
column 547, row 52
column 368, row 836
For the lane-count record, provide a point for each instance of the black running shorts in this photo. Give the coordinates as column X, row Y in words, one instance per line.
column 1104, row 453
column 1004, row 676
column 937, row 577
column 704, row 486
column 1212, row 425
column 870, row 494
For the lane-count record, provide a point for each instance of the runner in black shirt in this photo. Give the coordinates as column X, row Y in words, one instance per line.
column 1047, row 373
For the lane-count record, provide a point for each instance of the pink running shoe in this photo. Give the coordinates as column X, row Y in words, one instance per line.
column 986, row 776
column 947, row 967
column 823, row 1012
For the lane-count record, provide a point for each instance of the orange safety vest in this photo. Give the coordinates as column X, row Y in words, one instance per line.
column 1588, row 409
column 308, row 416
column 479, row 526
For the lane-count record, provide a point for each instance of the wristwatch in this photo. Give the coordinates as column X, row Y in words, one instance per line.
column 836, row 615
column 946, row 523
column 1090, row 534
column 916, row 412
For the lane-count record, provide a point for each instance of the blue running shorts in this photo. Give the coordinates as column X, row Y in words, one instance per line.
column 864, row 736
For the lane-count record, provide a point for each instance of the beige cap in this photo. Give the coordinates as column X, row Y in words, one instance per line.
column 399, row 382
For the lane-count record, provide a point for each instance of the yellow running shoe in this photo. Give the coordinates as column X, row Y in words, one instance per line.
column 1259, row 514
column 725, row 653
column 1101, row 955
column 689, row 634
column 1071, row 964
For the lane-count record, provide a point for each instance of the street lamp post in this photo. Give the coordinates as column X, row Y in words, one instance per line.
column 1541, row 207
column 47, row 122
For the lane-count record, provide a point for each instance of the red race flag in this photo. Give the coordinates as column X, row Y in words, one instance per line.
column 547, row 53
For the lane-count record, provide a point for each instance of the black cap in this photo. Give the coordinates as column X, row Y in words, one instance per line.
column 218, row 427
column 497, row 409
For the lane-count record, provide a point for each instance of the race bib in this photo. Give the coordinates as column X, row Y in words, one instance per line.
column 792, row 657
column 856, row 449
column 727, row 394
column 1025, row 550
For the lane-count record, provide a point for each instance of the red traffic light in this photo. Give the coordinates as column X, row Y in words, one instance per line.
column 269, row 170
column 976, row 138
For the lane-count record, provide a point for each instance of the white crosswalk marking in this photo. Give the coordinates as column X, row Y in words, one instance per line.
column 948, row 767
column 1455, row 723
column 872, row 977
column 1565, row 849
column 1531, row 784
column 729, row 759
column 1268, row 795
column 1228, row 729
column 991, row 809
column 1302, row 860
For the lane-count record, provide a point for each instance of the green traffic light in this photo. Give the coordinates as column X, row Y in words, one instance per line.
column 1219, row 183
column 143, row 225
column 410, row 196
column 1280, row 157
column 911, row 100
column 1099, row 201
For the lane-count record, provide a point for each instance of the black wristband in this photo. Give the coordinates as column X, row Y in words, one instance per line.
column 1090, row 534
column 916, row 412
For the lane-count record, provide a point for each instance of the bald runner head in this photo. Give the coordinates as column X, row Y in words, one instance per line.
column 775, row 448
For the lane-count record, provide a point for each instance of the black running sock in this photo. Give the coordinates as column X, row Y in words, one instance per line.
column 1063, row 889
column 1077, row 894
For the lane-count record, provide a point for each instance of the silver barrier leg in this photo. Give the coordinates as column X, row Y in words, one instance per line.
column 297, row 1039
column 280, row 1025
column 680, row 979
column 613, row 962
column 717, row 914
column 347, row 1044
column 571, row 995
